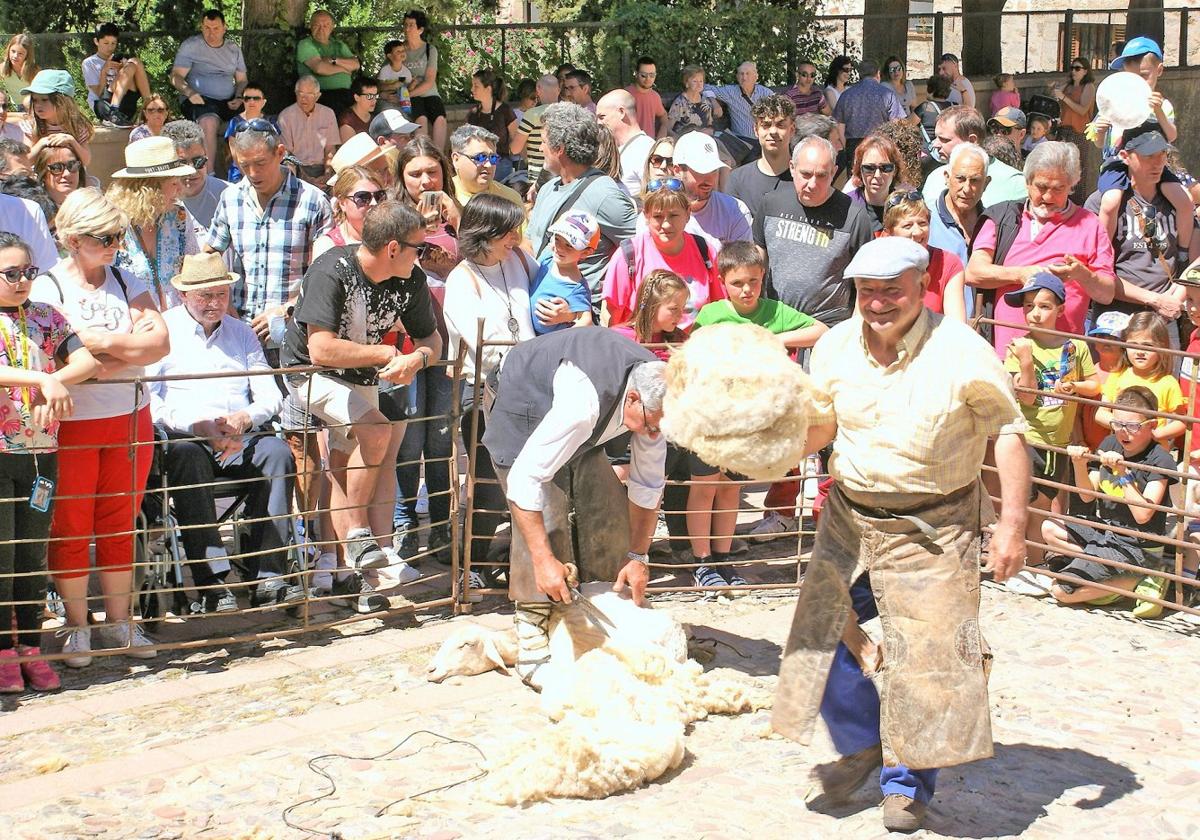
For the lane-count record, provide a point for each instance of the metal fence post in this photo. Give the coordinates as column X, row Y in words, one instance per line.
column 503, row 48
column 1184, row 15
column 791, row 51
column 1068, row 27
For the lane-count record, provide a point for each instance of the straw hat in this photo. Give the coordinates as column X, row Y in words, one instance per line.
column 153, row 157
column 203, row 271
column 359, row 150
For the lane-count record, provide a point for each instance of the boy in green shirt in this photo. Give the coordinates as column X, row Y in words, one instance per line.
column 1049, row 367
column 713, row 498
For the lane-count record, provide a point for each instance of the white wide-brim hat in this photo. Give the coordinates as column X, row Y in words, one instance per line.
column 153, row 157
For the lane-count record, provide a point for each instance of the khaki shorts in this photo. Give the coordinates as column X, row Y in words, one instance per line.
column 338, row 404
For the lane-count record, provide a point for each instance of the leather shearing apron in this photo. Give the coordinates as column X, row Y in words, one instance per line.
column 922, row 552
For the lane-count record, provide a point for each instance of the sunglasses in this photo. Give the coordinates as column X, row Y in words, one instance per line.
column 894, row 68
column 1128, row 426
column 20, row 274
column 647, row 75
column 660, row 160
column 422, row 248
column 672, row 184
column 105, row 240
column 257, row 124
column 155, row 110
column 483, row 157
column 872, row 168
column 64, row 166
column 364, row 198
column 249, row 97
column 899, row 197
column 1077, row 67
column 804, row 75
column 198, row 162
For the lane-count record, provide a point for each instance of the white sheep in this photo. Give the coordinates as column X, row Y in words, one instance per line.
column 620, row 703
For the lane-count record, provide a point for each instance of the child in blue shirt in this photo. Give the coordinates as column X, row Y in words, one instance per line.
column 575, row 236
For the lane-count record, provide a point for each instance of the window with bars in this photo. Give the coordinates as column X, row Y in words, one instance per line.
column 1089, row 41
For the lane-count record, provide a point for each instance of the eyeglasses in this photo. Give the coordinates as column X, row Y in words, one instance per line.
column 105, row 240
column 249, row 97
column 672, row 184
column 198, row 162
column 257, row 124
column 64, row 166
column 872, row 168
column 20, row 274
column 365, row 198
column 483, row 157
column 894, row 68
column 155, row 110
column 660, row 160
column 422, row 248
column 646, row 421
column 1127, row 426
column 899, row 197
column 368, row 95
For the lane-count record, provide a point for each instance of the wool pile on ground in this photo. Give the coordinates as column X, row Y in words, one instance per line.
column 737, row 400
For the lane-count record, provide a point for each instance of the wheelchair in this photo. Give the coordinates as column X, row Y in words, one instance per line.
column 159, row 578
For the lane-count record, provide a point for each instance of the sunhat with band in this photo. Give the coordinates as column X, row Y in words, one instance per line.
column 153, row 157
column 203, row 271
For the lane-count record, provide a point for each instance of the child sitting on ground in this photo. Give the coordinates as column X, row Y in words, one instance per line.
column 713, row 497
column 661, row 301
column 394, row 77
column 574, row 236
column 1144, row 365
column 1127, row 478
column 1053, row 368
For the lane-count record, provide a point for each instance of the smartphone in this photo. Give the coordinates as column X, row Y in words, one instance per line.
column 431, row 208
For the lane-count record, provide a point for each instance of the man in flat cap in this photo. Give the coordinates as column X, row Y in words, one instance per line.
column 908, row 399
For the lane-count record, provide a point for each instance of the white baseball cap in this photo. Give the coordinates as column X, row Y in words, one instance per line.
column 581, row 230
column 698, row 152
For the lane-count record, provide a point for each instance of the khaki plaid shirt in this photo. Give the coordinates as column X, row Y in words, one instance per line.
column 921, row 424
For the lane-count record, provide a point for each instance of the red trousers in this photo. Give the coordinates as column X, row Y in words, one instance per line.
column 102, row 468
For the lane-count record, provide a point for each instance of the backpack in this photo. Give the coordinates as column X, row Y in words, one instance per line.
column 627, row 252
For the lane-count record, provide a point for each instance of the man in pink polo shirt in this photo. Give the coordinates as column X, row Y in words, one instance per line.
column 1047, row 232
column 650, row 109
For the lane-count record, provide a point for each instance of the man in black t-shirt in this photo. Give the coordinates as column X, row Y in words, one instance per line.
column 774, row 126
column 350, row 298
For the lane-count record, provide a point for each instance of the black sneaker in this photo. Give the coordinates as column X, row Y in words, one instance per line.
column 363, row 552
column 439, row 543
column 708, row 576
column 354, row 592
column 217, row 601
column 408, row 545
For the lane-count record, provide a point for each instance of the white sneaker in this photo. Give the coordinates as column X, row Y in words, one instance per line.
column 397, row 572
column 422, row 505
column 132, row 637
column 79, row 641
column 322, row 576
column 1028, row 582
column 772, row 527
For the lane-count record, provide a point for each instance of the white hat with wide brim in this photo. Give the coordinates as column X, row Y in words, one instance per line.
column 153, row 157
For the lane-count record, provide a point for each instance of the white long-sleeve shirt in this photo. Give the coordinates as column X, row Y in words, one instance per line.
column 574, row 413
column 488, row 293
column 232, row 348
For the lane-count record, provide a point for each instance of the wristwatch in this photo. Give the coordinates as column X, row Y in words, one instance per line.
column 644, row 559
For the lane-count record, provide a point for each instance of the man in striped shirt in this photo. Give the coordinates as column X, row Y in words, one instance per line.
column 528, row 138
column 740, row 98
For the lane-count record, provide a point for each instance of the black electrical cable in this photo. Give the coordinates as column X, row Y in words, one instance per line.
column 321, row 771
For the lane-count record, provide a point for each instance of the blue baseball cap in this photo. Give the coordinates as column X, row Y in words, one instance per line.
column 1041, row 280
column 1110, row 324
column 1133, row 49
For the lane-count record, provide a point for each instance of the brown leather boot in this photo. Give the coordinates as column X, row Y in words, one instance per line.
column 840, row 779
column 901, row 813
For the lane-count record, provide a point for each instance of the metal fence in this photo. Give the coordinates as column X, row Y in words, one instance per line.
column 163, row 595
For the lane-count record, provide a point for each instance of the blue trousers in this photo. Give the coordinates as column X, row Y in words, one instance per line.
column 850, row 709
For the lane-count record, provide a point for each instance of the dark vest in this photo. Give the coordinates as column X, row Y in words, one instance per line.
column 525, row 392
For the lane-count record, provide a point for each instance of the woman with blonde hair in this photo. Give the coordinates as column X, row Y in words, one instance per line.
column 107, row 440
column 355, row 190
column 658, row 162
column 17, row 66
column 161, row 230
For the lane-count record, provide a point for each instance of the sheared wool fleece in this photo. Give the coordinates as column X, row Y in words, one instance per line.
column 737, row 401
column 620, row 717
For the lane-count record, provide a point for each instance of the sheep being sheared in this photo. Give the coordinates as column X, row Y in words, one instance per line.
column 737, row 401
column 620, row 703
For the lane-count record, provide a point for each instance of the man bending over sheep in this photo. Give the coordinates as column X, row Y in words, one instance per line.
column 908, row 399
column 561, row 397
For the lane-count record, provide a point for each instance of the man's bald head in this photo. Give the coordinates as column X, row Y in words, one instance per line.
column 617, row 112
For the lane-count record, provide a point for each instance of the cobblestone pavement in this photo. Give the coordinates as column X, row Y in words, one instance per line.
column 1095, row 722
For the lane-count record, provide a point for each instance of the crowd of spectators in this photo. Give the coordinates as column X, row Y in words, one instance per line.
column 353, row 231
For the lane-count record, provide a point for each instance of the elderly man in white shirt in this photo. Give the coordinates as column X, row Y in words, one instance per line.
column 214, row 431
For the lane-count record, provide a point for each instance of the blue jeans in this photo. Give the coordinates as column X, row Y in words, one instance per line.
column 850, row 709
column 430, row 439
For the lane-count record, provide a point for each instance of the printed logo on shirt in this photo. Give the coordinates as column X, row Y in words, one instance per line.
column 805, row 232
